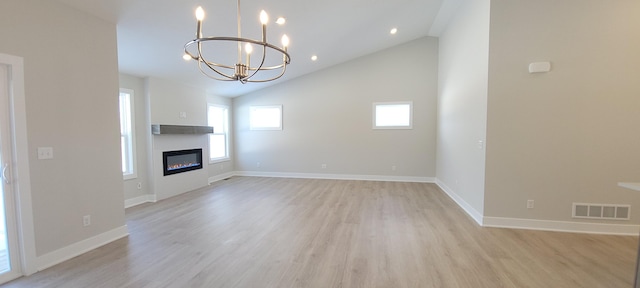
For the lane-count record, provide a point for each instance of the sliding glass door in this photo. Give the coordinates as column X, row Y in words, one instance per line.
column 9, row 265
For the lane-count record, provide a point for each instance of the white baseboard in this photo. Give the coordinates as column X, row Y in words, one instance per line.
column 534, row 224
column 562, row 226
column 47, row 260
column 139, row 200
column 472, row 212
column 336, row 176
column 221, row 177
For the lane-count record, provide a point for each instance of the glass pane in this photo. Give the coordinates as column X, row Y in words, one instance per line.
column 125, row 113
column 217, row 119
column 217, row 147
column 5, row 265
column 126, row 137
column 393, row 115
column 121, row 102
column 123, row 146
column 5, row 262
column 265, row 117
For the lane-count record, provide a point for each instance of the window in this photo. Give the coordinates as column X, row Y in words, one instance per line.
column 392, row 115
column 218, row 141
column 127, row 139
column 265, row 117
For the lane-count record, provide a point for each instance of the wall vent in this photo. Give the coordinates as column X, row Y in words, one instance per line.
column 601, row 211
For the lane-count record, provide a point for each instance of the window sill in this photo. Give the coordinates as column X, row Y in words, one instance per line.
column 126, row 177
column 219, row 160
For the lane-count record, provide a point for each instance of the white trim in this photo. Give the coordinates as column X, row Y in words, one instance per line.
column 562, row 226
column 534, row 224
column 630, row 185
column 148, row 198
column 52, row 258
column 21, row 171
column 223, row 176
column 472, row 212
column 218, row 160
column 336, row 176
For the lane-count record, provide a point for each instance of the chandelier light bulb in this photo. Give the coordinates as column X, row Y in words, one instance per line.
column 248, row 48
column 199, row 13
column 264, row 18
column 281, row 21
column 285, row 41
column 186, row 57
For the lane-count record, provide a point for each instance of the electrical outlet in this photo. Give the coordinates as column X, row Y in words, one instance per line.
column 258, row 164
column 393, row 168
column 529, row 204
column 45, row 153
column 86, row 220
column 324, row 166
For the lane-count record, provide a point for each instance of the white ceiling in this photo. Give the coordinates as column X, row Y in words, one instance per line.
column 152, row 33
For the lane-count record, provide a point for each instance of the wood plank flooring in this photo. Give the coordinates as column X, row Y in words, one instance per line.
column 277, row 232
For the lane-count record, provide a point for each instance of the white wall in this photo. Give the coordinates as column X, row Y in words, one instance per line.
column 462, row 106
column 167, row 99
column 328, row 118
column 162, row 101
column 71, row 83
column 571, row 134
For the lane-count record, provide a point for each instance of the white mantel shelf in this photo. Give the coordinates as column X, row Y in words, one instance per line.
column 630, row 185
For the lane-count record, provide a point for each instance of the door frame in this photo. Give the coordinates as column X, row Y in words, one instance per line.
column 20, row 164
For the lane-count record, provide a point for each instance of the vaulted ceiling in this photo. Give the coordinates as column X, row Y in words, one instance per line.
column 152, row 33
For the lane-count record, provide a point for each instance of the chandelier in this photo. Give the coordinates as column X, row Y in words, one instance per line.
column 242, row 70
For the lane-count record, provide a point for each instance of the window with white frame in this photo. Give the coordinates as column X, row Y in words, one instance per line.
column 265, row 117
column 127, row 134
column 393, row 115
column 218, row 116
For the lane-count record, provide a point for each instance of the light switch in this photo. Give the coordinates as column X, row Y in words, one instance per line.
column 539, row 67
column 183, row 114
column 45, row 153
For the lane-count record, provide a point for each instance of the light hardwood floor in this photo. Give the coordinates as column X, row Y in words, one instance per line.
column 273, row 232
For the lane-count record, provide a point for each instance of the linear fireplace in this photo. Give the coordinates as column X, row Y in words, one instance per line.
column 181, row 161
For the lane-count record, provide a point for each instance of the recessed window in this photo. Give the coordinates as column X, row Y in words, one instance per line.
column 265, row 117
column 392, row 115
column 127, row 134
column 218, row 118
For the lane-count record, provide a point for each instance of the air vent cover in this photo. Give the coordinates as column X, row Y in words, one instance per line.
column 601, row 211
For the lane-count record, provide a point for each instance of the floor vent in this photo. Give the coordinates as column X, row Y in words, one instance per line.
column 601, row 211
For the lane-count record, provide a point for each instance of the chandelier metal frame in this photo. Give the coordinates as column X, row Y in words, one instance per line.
column 242, row 71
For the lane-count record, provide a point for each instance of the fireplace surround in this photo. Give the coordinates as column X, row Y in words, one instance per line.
column 180, row 161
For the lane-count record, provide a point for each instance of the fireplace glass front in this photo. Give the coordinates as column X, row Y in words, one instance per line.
column 181, row 161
